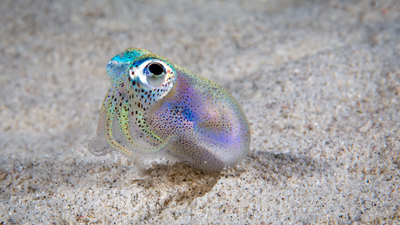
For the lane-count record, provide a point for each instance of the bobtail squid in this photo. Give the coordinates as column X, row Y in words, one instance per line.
column 156, row 107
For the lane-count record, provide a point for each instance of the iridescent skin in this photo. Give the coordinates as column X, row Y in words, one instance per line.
column 156, row 107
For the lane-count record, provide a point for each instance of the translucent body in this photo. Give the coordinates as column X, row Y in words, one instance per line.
column 156, row 107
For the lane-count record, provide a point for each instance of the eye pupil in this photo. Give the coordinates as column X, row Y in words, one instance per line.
column 156, row 69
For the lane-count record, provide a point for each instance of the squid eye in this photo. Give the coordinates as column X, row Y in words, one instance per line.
column 155, row 73
column 156, row 68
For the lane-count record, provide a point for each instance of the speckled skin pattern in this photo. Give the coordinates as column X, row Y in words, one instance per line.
column 156, row 107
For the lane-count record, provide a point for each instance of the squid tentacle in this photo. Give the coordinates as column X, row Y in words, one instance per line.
column 123, row 122
column 121, row 112
column 111, row 111
column 99, row 145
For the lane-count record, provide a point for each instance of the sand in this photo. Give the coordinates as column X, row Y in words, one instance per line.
column 319, row 82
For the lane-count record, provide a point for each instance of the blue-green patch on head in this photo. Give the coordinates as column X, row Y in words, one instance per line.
column 119, row 65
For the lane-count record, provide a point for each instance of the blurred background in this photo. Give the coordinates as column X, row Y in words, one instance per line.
column 318, row 81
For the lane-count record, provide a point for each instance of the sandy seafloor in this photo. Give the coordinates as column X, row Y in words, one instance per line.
column 319, row 82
